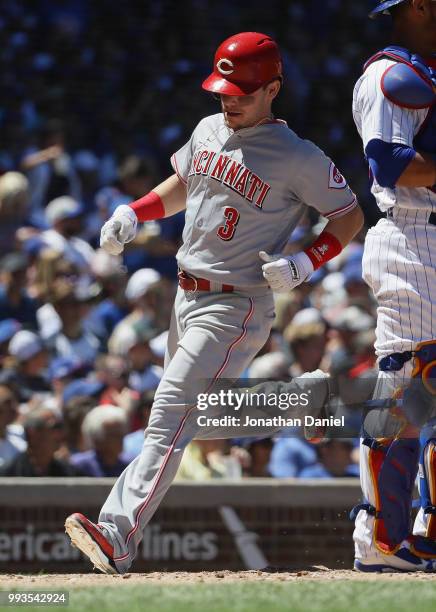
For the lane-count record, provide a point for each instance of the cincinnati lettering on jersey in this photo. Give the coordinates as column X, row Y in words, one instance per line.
column 231, row 173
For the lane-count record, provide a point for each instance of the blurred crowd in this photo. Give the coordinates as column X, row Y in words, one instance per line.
column 95, row 100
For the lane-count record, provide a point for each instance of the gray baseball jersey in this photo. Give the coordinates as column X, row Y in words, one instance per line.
column 246, row 192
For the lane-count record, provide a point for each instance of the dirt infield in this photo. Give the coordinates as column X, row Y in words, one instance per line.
column 317, row 573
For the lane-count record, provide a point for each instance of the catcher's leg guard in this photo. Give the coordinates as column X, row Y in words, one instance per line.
column 420, row 403
column 424, row 542
column 428, row 486
column 392, row 466
column 389, row 463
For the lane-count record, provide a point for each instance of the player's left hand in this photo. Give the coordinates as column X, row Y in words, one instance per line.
column 285, row 273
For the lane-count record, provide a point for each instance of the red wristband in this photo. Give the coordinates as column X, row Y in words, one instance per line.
column 149, row 207
column 325, row 247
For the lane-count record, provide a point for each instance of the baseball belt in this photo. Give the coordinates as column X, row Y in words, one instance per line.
column 193, row 283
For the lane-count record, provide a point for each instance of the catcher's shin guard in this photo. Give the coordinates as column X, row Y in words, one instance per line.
column 393, row 465
column 421, row 401
column 425, row 546
column 390, row 462
column 428, row 497
column 427, row 476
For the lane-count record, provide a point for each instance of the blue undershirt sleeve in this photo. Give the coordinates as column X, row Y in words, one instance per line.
column 388, row 161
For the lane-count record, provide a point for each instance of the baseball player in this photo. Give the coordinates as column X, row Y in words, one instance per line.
column 394, row 111
column 245, row 180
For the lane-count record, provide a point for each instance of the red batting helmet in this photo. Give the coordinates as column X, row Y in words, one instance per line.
column 243, row 63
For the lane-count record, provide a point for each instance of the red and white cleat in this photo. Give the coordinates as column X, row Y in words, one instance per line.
column 89, row 538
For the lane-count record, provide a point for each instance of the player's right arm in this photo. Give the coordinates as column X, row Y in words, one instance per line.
column 165, row 200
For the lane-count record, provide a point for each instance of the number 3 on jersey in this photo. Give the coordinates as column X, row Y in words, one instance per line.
column 227, row 231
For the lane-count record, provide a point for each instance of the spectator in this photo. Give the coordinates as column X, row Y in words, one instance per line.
column 142, row 294
column 356, row 288
column 113, row 371
column 158, row 346
column 64, row 217
column 28, row 372
column 259, row 451
column 208, row 459
column 87, row 166
column 271, row 366
column 50, row 171
column 163, row 255
column 51, row 266
column 136, row 176
column 78, row 398
column 286, row 306
column 103, row 429
column 83, row 388
column 333, row 298
column 349, row 325
column 132, row 343
column 15, row 302
column 8, row 329
column 335, row 460
column 307, row 339
column 72, row 306
column 11, row 444
column 113, row 308
column 74, row 412
column 290, row 455
column 14, row 195
column 61, row 372
column 44, row 434
column 134, row 441
column 106, row 200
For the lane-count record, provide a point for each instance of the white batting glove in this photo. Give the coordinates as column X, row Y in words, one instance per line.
column 285, row 273
column 118, row 230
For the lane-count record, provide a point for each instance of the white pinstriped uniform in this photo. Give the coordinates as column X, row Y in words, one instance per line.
column 376, row 117
column 399, row 261
column 246, row 191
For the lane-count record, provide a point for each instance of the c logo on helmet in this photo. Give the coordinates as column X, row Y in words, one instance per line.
column 225, row 62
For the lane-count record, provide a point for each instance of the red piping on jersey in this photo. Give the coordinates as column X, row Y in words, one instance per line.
column 153, row 489
column 179, row 431
column 341, row 211
column 176, row 168
column 235, row 342
column 402, row 105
